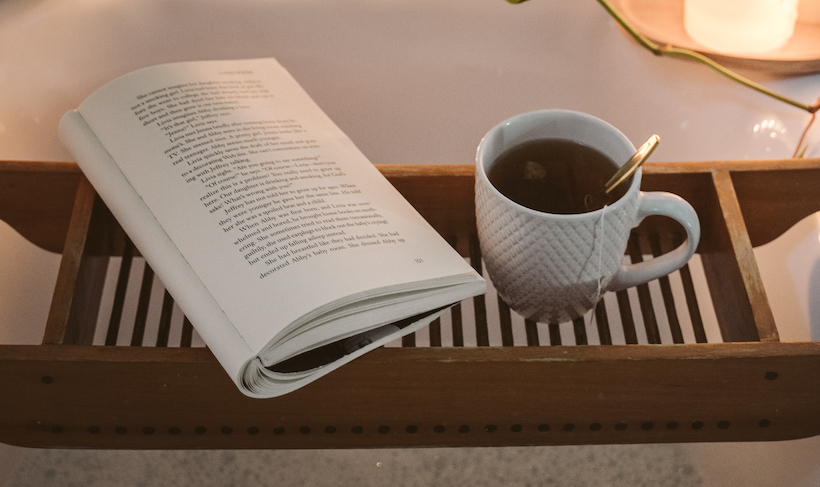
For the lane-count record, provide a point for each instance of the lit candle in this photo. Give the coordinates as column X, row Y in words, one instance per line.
column 740, row 26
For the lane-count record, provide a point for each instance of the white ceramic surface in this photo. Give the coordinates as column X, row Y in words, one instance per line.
column 790, row 270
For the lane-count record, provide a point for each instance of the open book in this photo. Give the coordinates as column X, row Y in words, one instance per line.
column 284, row 246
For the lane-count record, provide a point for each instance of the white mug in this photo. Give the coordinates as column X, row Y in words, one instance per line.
column 555, row 267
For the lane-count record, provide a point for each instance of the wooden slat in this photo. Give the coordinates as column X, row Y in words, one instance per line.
column 602, row 322
column 85, row 306
column 740, row 301
column 69, row 270
column 740, row 165
column 88, row 291
column 692, row 304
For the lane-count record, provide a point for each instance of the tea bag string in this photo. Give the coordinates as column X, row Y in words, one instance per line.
column 599, row 290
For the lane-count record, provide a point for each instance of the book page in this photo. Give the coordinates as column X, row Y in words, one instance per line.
column 136, row 219
column 272, row 205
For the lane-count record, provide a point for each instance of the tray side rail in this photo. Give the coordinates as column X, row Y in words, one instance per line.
column 36, row 199
column 138, row 397
column 146, row 397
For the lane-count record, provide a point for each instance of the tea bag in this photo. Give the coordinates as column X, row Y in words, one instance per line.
column 591, row 200
column 533, row 170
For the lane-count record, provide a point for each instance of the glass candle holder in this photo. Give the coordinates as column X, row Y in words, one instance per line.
column 740, row 27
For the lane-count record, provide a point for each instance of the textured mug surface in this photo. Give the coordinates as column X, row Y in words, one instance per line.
column 551, row 267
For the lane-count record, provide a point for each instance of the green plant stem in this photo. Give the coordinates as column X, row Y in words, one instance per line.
column 696, row 56
column 669, row 50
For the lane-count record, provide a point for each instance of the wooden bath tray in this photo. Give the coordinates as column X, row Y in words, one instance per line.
column 71, row 392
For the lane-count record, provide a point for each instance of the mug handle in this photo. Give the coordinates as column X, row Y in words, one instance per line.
column 677, row 208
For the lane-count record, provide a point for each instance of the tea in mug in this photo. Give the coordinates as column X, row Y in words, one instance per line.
column 558, row 176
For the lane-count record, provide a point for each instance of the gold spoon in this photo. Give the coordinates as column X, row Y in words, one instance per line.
column 632, row 164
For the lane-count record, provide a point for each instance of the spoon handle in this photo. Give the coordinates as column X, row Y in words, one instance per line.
column 632, row 164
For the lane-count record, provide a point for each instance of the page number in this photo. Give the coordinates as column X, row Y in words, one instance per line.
column 418, row 261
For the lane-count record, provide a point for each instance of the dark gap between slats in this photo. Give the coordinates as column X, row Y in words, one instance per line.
column 602, row 322
column 187, row 333
column 119, row 294
column 142, row 306
column 627, row 321
column 650, row 321
column 481, row 331
column 505, row 319
column 532, row 333
column 666, row 291
column 165, row 320
column 580, row 330
column 458, row 330
column 435, row 333
column 555, row 334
